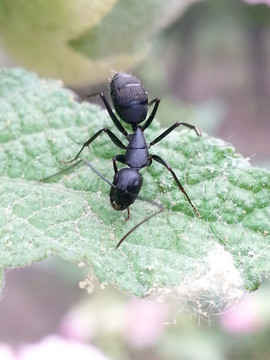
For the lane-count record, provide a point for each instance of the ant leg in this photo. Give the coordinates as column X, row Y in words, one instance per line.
column 156, row 101
column 162, row 162
column 167, row 132
column 109, row 109
column 152, row 102
column 119, row 158
column 128, row 214
column 114, row 139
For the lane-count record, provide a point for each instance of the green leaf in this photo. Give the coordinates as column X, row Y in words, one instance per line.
column 208, row 260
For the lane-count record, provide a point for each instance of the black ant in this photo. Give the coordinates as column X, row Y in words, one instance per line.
column 130, row 101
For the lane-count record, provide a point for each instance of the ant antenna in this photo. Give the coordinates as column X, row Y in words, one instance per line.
column 60, row 172
column 162, row 208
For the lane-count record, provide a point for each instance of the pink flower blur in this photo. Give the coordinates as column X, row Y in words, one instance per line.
column 256, row 2
column 243, row 320
column 55, row 347
column 76, row 325
column 6, row 352
column 144, row 322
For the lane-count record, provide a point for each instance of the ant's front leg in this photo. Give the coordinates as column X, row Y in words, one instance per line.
column 119, row 158
column 128, row 214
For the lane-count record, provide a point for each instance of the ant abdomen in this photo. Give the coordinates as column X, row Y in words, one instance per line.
column 129, row 98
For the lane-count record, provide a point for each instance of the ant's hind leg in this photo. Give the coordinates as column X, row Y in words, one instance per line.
column 162, row 162
column 109, row 109
column 148, row 122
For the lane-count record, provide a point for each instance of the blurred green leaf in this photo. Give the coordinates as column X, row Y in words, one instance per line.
column 208, row 260
column 80, row 41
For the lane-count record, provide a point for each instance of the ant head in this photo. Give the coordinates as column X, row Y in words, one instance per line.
column 129, row 98
column 127, row 184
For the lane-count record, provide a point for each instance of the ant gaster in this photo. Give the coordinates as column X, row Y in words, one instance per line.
column 130, row 101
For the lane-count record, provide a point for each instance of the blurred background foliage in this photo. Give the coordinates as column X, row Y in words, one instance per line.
column 210, row 66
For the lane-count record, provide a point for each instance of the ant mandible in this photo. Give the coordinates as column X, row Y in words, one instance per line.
column 130, row 101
